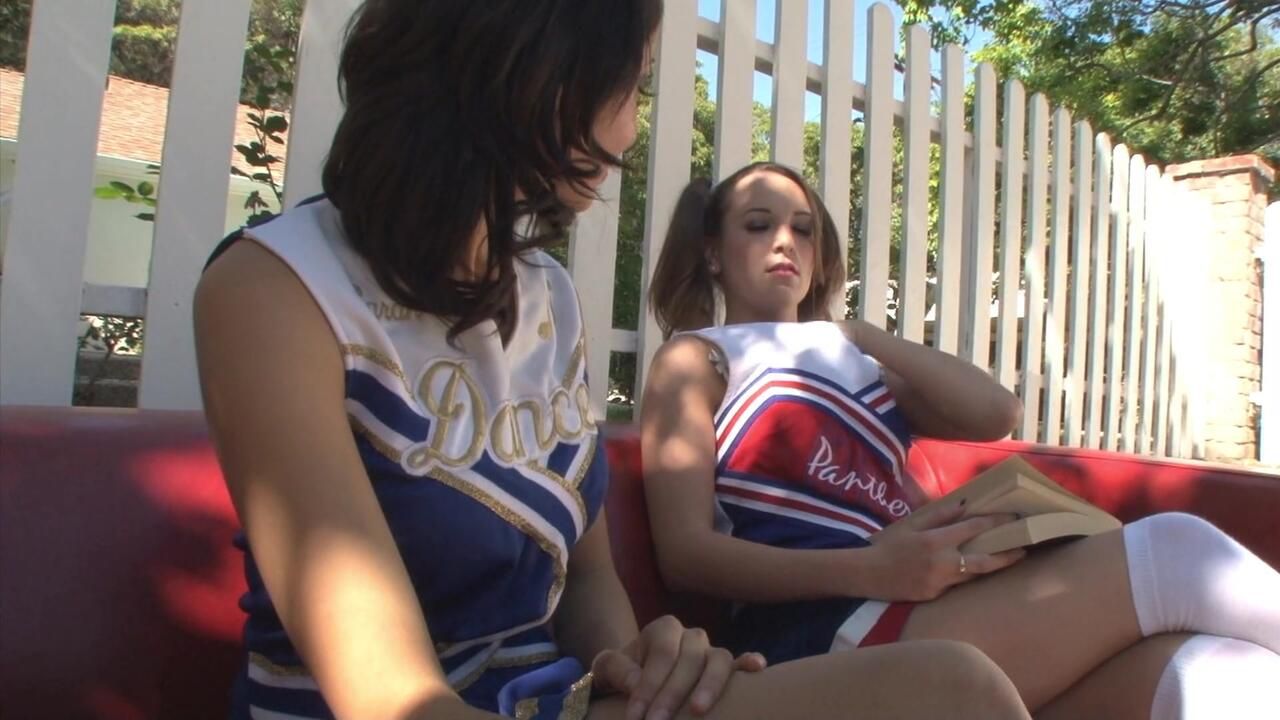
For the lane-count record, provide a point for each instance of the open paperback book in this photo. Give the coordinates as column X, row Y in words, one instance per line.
column 1046, row 510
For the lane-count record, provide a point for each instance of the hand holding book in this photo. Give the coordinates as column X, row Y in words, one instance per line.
column 1043, row 509
column 980, row 527
column 918, row 558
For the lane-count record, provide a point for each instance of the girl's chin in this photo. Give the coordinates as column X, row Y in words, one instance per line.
column 777, row 298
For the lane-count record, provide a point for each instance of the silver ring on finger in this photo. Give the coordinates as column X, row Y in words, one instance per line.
column 964, row 566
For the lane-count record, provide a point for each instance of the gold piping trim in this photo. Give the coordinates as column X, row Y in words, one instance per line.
column 378, row 443
column 575, row 360
column 474, row 675
column 494, row 662
column 560, row 480
column 575, row 703
column 527, row 708
column 586, row 465
column 379, row 358
column 548, row 323
column 445, row 411
column 261, row 661
column 557, row 585
column 523, row 660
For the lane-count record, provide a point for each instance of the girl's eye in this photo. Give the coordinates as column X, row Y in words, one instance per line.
column 757, row 226
column 804, row 230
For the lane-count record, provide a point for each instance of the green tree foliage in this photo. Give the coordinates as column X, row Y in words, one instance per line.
column 146, row 32
column 1176, row 80
column 143, row 40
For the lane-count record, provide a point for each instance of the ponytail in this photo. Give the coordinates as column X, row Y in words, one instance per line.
column 682, row 293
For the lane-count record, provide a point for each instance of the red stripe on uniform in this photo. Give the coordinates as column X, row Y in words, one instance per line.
column 796, row 505
column 886, row 438
column 888, row 629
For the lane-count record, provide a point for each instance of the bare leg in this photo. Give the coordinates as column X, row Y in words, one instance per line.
column 1047, row 621
column 905, row 681
column 1058, row 615
column 1122, row 687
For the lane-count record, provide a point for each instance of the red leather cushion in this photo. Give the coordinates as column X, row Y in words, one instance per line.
column 118, row 581
column 1244, row 503
column 632, row 543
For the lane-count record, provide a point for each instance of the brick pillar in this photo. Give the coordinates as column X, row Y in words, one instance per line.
column 1235, row 189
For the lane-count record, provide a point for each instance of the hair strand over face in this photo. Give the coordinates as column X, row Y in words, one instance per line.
column 462, row 114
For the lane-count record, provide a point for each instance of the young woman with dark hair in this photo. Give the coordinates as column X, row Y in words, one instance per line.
column 393, row 378
column 774, row 449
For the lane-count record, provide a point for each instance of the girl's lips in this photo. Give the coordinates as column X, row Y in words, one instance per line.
column 784, row 269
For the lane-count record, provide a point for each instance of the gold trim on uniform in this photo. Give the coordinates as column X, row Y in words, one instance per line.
column 378, row 443
column 379, row 358
column 527, row 708
column 522, row 660
column 494, row 662
column 575, row 704
column 472, row 676
column 575, row 360
column 573, row 707
column 560, row 480
column 514, row 519
column 579, row 476
column 545, row 327
column 544, row 433
column 446, row 410
column 261, row 661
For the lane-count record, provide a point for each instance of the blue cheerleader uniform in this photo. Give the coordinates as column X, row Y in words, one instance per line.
column 485, row 460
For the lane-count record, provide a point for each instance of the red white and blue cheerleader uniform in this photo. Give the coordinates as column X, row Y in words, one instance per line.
column 484, row 459
column 810, row 454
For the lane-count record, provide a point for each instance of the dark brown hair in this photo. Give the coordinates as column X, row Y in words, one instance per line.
column 682, row 293
column 456, row 108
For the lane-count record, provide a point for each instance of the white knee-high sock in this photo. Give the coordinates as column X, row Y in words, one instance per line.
column 1213, row 677
column 1188, row 576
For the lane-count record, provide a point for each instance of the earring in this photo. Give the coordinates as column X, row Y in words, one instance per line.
column 713, row 266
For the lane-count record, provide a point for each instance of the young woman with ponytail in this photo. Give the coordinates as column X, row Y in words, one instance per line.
column 774, row 447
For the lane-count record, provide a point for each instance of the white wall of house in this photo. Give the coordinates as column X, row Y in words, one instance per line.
column 119, row 244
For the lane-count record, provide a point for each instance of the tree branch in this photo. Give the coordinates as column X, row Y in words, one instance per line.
column 1253, row 78
column 1253, row 38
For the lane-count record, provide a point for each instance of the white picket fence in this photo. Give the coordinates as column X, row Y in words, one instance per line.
column 1084, row 230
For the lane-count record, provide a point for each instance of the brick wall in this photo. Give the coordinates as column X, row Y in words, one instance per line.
column 1235, row 188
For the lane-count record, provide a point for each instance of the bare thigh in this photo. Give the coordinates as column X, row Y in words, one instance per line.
column 1122, row 687
column 905, row 681
column 1047, row 621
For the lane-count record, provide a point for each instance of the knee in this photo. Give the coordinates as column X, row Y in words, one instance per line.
column 979, row 687
column 1179, row 525
column 1187, row 575
column 1213, row 676
column 1176, row 531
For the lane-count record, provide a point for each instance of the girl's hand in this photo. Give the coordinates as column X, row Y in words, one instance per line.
column 920, row 557
column 666, row 666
